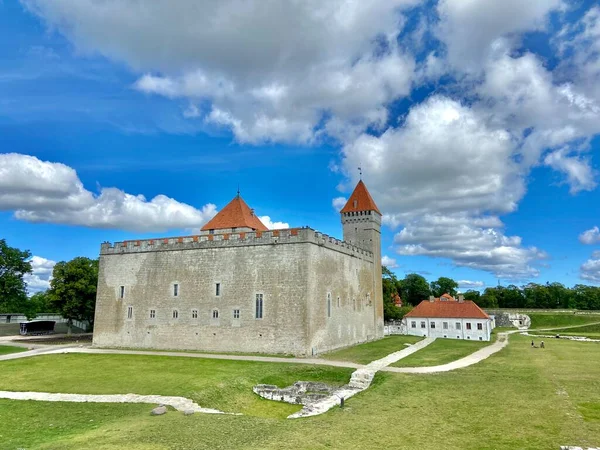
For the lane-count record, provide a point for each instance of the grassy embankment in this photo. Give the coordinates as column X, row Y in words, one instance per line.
column 441, row 351
column 371, row 351
column 6, row 349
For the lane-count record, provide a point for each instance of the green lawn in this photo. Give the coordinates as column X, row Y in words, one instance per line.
column 518, row 398
column 6, row 349
column 371, row 351
column 591, row 331
column 441, row 351
column 547, row 320
column 220, row 384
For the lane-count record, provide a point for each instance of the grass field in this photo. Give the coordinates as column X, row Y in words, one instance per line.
column 591, row 331
column 6, row 349
column 220, row 384
column 547, row 320
column 518, row 398
column 441, row 351
column 370, row 351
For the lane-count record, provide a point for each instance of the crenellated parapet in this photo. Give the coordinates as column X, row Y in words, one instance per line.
column 236, row 239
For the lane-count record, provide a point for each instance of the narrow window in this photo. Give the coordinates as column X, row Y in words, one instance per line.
column 215, row 314
column 413, row 324
column 211, row 231
column 194, row 313
column 354, row 304
column 445, row 325
column 130, row 312
column 259, row 306
column 153, row 314
column 432, row 324
column 480, row 326
column 236, row 313
column 122, row 292
column 175, row 290
column 457, row 325
column 468, row 325
column 480, row 338
column 338, row 302
column 422, row 324
column 355, row 203
column 218, row 289
column 328, row 304
column 175, row 314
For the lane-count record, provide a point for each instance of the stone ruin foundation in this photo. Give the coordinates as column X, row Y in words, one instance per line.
column 300, row 393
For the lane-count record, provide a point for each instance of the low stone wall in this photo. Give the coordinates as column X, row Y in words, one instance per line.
column 299, row 393
column 510, row 319
column 394, row 327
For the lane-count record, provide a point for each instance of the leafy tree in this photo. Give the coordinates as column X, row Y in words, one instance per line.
column 38, row 303
column 13, row 266
column 444, row 285
column 414, row 289
column 73, row 289
column 474, row 296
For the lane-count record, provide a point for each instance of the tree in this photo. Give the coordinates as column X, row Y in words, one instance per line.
column 414, row 289
column 474, row 296
column 38, row 303
column 444, row 285
column 13, row 266
column 73, row 289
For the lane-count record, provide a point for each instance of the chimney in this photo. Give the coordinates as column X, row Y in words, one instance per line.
column 461, row 298
column 431, row 298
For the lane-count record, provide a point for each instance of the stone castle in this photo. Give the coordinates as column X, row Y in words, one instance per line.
column 238, row 287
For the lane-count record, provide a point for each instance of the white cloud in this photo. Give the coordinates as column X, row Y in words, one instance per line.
column 580, row 175
column 390, row 263
column 470, row 28
column 271, row 69
column 42, row 191
column 266, row 220
column 468, row 284
column 591, row 236
column 39, row 279
column 590, row 270
column 338, row 203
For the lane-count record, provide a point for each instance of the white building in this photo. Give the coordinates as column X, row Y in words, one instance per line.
column 447, row 317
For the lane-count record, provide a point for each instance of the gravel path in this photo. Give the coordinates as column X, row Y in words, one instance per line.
column 179, row 403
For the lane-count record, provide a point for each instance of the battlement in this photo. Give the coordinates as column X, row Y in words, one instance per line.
column 238, row 239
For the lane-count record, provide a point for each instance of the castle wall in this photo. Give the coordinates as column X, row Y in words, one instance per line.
column 291, row 268
column 349, row 320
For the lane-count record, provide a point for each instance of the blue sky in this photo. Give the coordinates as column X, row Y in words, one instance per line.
column 476, row 126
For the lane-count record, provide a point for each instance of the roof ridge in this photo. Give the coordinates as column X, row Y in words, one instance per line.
column 360, row 200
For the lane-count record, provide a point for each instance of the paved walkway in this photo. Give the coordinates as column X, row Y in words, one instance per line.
column 361, row 379
column 179, row 403
column 469, row 360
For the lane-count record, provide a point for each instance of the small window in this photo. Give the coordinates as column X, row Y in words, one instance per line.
column 121, row 291
column 468, row 325
column 480, row 338
column 194, row 313
column 211, row 231
column 328, row 304
column 338, row 302
column 175, row 290
column 130, row 312
column 480, row 326
column 218, row 289
column 236, row 313
column 413, row 324
column 445, row 325
column 469, row 337
column 432, row 324
column 175, row 314
column 457, row 325
column 422, row 324
column 355, row 203
column 153, row 314
column 354, row 304
column 259, row 306
column 215, row 314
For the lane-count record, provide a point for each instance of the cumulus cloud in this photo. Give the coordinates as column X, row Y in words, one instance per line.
column 279, row 68
column 388, row 262
column 338, row 203
column 39, row 279
column 266, row 220
column 469, row 28
column 47, row 192
column 468, row 284
column 591, row 236
column 590, row 270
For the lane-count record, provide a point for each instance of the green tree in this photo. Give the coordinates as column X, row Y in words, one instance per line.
column 414, row 289
column 38, row 303
column 73, row 289
column 474, row 296
column 444, row 285
column 13, row 266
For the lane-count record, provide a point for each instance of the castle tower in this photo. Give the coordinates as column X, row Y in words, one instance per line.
column 361, row 221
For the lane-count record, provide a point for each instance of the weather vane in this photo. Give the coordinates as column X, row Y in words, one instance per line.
column 238, row 191
column 360, row 172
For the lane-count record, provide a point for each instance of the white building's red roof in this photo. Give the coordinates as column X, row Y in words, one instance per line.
column 448, row 307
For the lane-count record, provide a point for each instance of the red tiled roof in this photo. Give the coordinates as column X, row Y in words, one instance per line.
column 237, row 214
column 364, row 201
column 448, row 309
